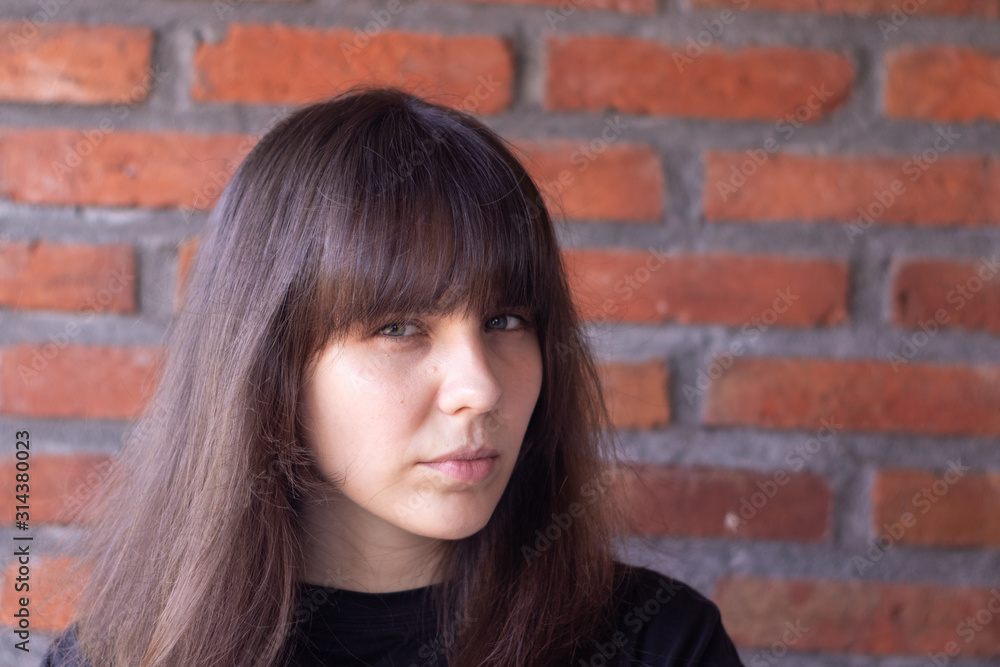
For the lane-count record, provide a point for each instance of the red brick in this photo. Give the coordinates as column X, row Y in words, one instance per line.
column 76, row 380
column 951, row 507
column 637, row 394
column 110, row 168
column 786, row 187
column 638, row 76
column 629, row 6
column 985, row 8
column 255, row 63
column 45, row 275
column 929, row 293
column 54, row 584
column 857, row 616
column 862, row 395
column 708, row 502
column 59, row 486
column 594, row 179
column 74, row 63
column 185, row 256
column 642, row 286
column 943, row 83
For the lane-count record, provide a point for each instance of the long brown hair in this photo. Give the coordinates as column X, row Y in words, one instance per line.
column 373, row 203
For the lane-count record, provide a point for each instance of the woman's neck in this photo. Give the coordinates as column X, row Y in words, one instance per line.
column 348, row 548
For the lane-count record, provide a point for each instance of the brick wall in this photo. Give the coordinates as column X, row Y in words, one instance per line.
column 782, row 219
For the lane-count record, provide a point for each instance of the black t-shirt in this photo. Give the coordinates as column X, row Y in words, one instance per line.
column 662, row 622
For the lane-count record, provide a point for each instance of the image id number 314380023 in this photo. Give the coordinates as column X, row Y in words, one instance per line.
column 21, row 542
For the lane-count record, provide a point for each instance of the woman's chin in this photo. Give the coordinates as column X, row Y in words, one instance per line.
column 451, row 528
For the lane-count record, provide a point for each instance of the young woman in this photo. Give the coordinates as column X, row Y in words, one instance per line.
column 379, row 436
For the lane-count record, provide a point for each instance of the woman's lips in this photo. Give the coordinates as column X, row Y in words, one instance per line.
column 471, row 472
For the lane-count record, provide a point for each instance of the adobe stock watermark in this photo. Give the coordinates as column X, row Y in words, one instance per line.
column 592, row 490
column 973, row 625
column 381, row 18
column 307, row 605
column 585, row 154
column 95, row 478
column 153, row 419
column 740, row 175
column 608, row 653
column 561, row 13
column 633, row 281
column 630, row 283
column 436, row 649
column 751, row 331
column 899, row 15
column 924, row 501
column 216, row 182
column 581, row 158
column 914, row 168
column 41, row 357
column 958, row 296
column 694, row 47
column 795, row 460
column 485, row 87
column 363, row 34
column 772, row 654
column 967, row 631
column 94, row 137
column 29, row 27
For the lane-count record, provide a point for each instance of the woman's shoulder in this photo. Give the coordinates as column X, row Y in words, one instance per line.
column 65, row 651
column 664, row 622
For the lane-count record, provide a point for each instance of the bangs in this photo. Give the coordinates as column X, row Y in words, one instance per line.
column 428, row 222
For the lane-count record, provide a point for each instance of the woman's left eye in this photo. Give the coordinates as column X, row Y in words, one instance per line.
column 506, row 319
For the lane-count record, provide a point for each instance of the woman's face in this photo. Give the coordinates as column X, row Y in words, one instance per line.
column 379, row 407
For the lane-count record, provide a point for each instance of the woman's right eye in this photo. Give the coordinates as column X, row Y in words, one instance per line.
column 395, row 330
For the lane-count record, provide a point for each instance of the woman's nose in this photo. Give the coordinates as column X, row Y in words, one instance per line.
column 468, row 378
